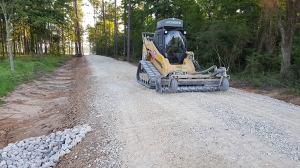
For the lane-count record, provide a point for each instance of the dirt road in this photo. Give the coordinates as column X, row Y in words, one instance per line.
column 137, row 127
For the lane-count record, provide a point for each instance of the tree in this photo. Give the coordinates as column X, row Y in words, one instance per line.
column 45, row 20
column 35, row 25
column 104, row 27
column 125, row 26
column 115, row 32
column 7, row 9
column 224, row 42
column 128, row 28
column 288, row 17
column 92, row 38
column 2, row 34
column 78, row 46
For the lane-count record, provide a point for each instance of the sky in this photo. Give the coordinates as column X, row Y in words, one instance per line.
column 88, row 12
column 88, row 18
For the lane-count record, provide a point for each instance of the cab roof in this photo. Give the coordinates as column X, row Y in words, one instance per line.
column 169, row 23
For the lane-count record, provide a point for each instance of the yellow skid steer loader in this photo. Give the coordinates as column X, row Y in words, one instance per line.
column 167, row 66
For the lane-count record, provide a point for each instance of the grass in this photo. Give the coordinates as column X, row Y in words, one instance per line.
column 292, row 92
column 269, row 81
column 26, row 69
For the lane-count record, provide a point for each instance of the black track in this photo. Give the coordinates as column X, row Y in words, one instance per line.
column 147, row 68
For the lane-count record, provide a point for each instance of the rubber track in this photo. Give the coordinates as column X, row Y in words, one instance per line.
column 151, row 71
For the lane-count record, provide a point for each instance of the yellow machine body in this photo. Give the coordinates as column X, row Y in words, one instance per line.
column 161, row 63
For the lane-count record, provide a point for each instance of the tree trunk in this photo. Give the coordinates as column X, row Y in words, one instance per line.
column 77, row 31
column 58, row 42
column 51, row 43
column 82, row 50
column 32, row 42
column 36, row 45
column 104, row 28
column 46, row 48
column 2, row 41
column 116, row 32
column 286, row 58
column 14, row 41
column 287, row 30
column 76, row 48
column 41, row 49
column 70, row 52
column 128, row 34
column 12, row 69
column 125, row 26
column 19, row 44
column 109, row 33
column 26, row 46
column 63, row 41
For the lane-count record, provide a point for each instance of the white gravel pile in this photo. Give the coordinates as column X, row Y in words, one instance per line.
column 43, row 151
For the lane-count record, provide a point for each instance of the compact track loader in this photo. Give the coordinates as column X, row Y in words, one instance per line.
column 167, row 66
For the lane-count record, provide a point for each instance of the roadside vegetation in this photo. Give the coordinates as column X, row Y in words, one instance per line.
column 263, row 73
column 26, row 69
column 268, row 82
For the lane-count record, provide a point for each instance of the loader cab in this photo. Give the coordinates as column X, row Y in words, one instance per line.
column 169, row 39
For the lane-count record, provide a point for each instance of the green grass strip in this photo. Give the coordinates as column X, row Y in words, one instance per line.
column 26, row 69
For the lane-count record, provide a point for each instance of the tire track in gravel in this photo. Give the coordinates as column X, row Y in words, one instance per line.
column 218, row 129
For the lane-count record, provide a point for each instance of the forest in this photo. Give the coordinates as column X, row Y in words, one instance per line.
column 258, row 40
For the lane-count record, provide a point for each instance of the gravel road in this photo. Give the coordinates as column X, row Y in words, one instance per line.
column 143, row 128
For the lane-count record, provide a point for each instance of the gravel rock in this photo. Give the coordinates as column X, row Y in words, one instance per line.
column 42, row 151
